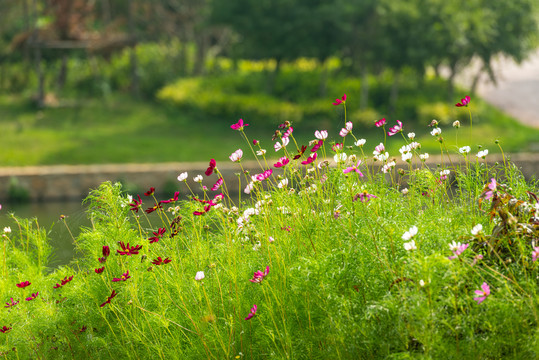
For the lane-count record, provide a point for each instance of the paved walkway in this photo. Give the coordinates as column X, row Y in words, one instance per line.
column 517, row 91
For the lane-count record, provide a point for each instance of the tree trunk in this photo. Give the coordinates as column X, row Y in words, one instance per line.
column 394, row 95
column 134, row 87
column 364, row 95
column 40, row 99
column 62, row 74
column 323, row 87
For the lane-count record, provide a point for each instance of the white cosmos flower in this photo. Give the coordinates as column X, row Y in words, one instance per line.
column 477, row 229
column 454, row 246
column 411, row 136
column 236, row 155
column 482, row 154
column 465, row 150
column 436, row 131
column 387, row 167
column 407, row 156
column 7, row 230
column 321, row 135
column 282, row 184
column 360, row 142
column 409, row 246
column 182, row 176
column 340, row 157
column 410, row 233
column 261, row 152
column 199, row 276
column 424, row 156
column 421, row 283
column 198, row 178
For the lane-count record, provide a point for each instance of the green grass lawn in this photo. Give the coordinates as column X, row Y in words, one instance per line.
column 123, row 130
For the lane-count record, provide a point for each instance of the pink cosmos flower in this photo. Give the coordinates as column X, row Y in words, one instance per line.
column 463, row 102
column 395, row 129
column 321, row 135
column 492, row 188
column 288, row 132
column 484, row 292
column 236, row 155
column 258, row 276
column 380, row 122
column 252, row 313
column 124, row 277
column 364, row 197
column 379, row 149
column 282, row 162
column 263, row 176
column 310, row 159
column 340, row 101
column 353, row 168
column 239, row 125
column 337, row 147
column 210, row 168
column 535, row 253
column 217, row 184
column 458, row 250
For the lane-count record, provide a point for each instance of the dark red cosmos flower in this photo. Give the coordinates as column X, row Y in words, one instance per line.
column 23, row 284
column 102, row 259
column 34, row 295
column 5, row 329
column 11, row 304
column 129, row 250
column 66, row 280
column 106, row 251
column 160, row 261
column 83, row 329
column 303, row 148
column 99, row 270
column 136, row 204
column 153, row 208
column 206, row 209
column 157, row 236
column 463, row 102
column 124, row 277
column 210, row 168
column 317, row 146
column 150, row 192
column 112, row 295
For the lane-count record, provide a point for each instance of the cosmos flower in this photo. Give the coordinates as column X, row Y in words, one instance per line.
column 340, row 101
column 463, row 102
column 239, row 125
column 253, row 310
column 484, row 293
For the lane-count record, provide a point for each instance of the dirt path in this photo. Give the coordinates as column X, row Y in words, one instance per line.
column 517, row 92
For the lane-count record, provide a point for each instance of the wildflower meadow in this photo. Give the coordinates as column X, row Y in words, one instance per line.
column 332, row 249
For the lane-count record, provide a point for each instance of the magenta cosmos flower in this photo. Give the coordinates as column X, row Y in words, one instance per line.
column 380, row 122
column 239, row 125
column 491, row 189
column 23, row 284
column 252, row 313
column 124, row 277
column 395, row 129
column 310, row 159
column 463, row 102
column 483, row 293
column 364, row 196
column 11, row 303
column 282, row 162
column 258, row 276
column 210, row 168
column 353, row 168
column 34, row 295
column 340, row 101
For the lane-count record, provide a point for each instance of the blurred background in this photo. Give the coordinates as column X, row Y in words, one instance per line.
column 86, row 82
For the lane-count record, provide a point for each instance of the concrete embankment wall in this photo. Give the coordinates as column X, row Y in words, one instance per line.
column 73, row 182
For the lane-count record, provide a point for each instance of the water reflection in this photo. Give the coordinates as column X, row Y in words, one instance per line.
column 48, row 217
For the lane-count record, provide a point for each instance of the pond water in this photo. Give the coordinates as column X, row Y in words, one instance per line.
column 48, row 217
